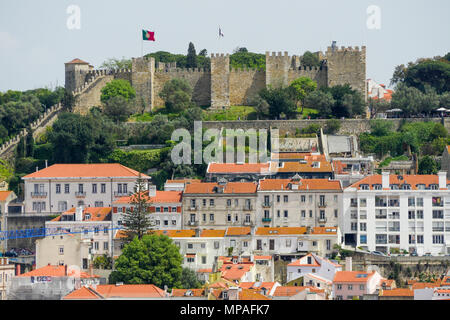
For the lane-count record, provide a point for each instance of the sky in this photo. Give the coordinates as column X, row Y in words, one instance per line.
column 35, row 40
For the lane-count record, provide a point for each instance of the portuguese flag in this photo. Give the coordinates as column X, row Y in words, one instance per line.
column 148, row 35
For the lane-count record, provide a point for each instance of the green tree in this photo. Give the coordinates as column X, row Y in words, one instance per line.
column 242, row 59
column 6, row 171
column 152, row 260
column 408, row 99
column 177, row 95
column 118, row 108
column 114, row 63
column 377, row 106
column 191, row 58
column 348, row 102
column 427, row 165
column 380, row 127
column 321, row 101
column 103, row 262
column 29, row 141
column 203, row 53
column 280, row 102
column 118, row 87
column 136, row 219
column 332, row 126
column 189, row 279
column 310, row 59
column 301, row 88
column 68, row 101
column 436, row 74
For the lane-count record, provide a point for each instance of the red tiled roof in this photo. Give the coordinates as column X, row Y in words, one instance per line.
column 184, row 180
column 129, row 291
column 300, row 262
column 398, row 292
column 304, row 184
column 212, row 233
column 161, row 197
column 238, row 231
column 77, row 61
column 177, row 233
column 4, row 195
column 352, row 276
column 96, row 213
column 238, row 168
column 290, row 155
column 262, row 257
column 207, row 270
column 235, row 271
column 280, row 231
column 423, row 285
column 182, row 292
column 412, row 180
column 230, row 187
column 85, row 171
column 56, row 271
column 249, row 294
column 296, row 166
column 288, row 291
column 324, row 230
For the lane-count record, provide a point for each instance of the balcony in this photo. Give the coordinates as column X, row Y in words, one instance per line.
column 248, row 208
column 394, row 203
column 438, row 229
column 192, row 208
column 193, row 223
column 248, row 223
column 266, row 219
column 394, row 229
column 80, row 194
column 120, row 194
column 353, row 204
column 267, row 204
column 38, row 194
column 353, row 216
column 323, row 220
column 322, row 205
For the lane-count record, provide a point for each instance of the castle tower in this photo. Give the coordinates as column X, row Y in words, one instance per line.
column 277, row 67
column 220, row 81
column 142, row 80
column 76, row 71
column 347, row 65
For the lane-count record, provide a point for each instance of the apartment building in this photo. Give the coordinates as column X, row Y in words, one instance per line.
column 349, row 285
column 219, row 205
column 237, row 172
column 60, row 187
column 388, row 213
column 298, row 202
column 165, row 208
column 7, row 272
column 308, row 165
column 240, row 240
column 5, row 198
column 76, row 237
column 178, row 184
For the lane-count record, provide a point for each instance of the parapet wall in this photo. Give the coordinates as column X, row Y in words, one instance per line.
column 245, row 85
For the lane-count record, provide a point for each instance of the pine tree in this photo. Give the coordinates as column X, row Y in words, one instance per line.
column 136, row 220
column 191, row 58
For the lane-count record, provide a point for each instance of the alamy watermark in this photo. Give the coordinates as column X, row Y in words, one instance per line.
column 373, row 21
column 73, row 21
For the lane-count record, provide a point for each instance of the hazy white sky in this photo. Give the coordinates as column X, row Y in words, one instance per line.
column 35, row 41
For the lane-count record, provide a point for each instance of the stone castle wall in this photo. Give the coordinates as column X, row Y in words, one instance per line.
column 245, row 85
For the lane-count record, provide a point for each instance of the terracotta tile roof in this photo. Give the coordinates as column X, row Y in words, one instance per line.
column 442, row 290
column 212, row 233
column 161, row 197
column 304, row 184
column 85, row 171
column 77, row 61
column 96, row 214
column 184, row 180
column 317, row 277
column 235, row 271
column 248, row 294
column 130, row 291
column 297, row 166
column 289, row 155
column 238, row 168
column 208, row 270
column 230, row 187
column 227, row 259
column 182, row 292
column 262, row 231
column 56, row 271
column 4, row 195
column 398, row 292
column 177, row 233
column 238, row 231
column 387, row 282
column 219, row 284
column 445, row 281
column 257, row 285
column 339, row 167
column 288, row 291
column 352, row 276
column 82, row 294
column 423, row 285
column 302, row 262
column 412, row 180
column 324, row 230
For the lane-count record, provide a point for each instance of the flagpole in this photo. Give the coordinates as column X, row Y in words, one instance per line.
column 142, row 45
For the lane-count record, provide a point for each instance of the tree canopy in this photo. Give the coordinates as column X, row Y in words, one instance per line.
column 118, row 87
column 114, row 63
column 177, row 95
column 310, row 59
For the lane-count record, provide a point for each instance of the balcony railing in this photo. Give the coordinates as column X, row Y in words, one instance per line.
column 39, row 194
column 248, row 208
column 80, row 194
column 439, row 229
column 323, row 220
column 248, row 223
column 322, row 205
column 353, row 204
column 267, row 204
column 266, row 219
column 120, row 194
column 353, row 216
column 193, row 223
column 380, row 216
column 394, row 229
column 192, row 208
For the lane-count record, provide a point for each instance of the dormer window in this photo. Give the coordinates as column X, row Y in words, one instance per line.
column 434, row 187
column 394, row 186
column 406, row 186
column 364, row 187
column 376, row 186
column 316, row 164
column 87, row 216
column 420, row 186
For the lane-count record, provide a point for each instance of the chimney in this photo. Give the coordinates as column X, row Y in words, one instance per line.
column 37, row 168
column 348, row 264
column 46, row 163
column 151, row 190
column 17, row 269
column 91, row 269
column 442, row 179
column 79, row 214
column 385, row 180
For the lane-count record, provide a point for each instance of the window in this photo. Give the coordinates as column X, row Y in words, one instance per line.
column 158, row 209
column 285, row 213
column 80, row 187
column 96, row 230
column 61, row 249
column 361, row 287
column 328, row 244
column 362, row 226
column 310, row 213
column 62, row 205
column 174, row 222
column 58, row 188
column 377, row 186
column 354, row 226
column 174, row 209
column 303, row 198
column 364, row 187
column 322, row 214
column 203, row 245
column 438, row 239
column 105, row 230
column 411, row 214
column 335, row 213
column 438, row 214
column 303, row 213
column 103, row 188
column 236, row 202
column 211, row 202
column 203, row 201
column 350, row 287
column 419, row 214
column 363, row 239
column 245, row 244
column 94, row 188
column 310, row 199
column 228, row 202
column 288, row 243
column 66, row 188
column 125, row 188
column 203, row 259
column 211, row 217
column 166, row 222
column 216, row 244
column 105, row 245
column 420, row 238
column 411, row 202
column 204, row 217
column 158, row 222
column 96, row 245
column 99, row 203
column 314, row 243
column 285, row 198
column 190, row 259
column 419, row 202
column 190, row 245
column 335, row 198
column 363, row 202
column 278, row 198
column 339, row 287
column 228, row 217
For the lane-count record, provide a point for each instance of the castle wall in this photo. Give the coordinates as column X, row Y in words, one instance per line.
column 277, row 66
column 315, row 73
column 347, row 65
column 199, row 80
column 142, row 76
column 91, row 95
column 245, row 85
column 220, row 81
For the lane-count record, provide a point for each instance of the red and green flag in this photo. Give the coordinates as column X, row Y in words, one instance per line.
column 148, row 35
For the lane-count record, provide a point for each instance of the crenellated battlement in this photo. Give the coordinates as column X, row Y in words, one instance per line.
column 220, row 56
column 307, row 68
column 246, row 70
column 330, row 50
column 277, row 54
column 183, row 70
